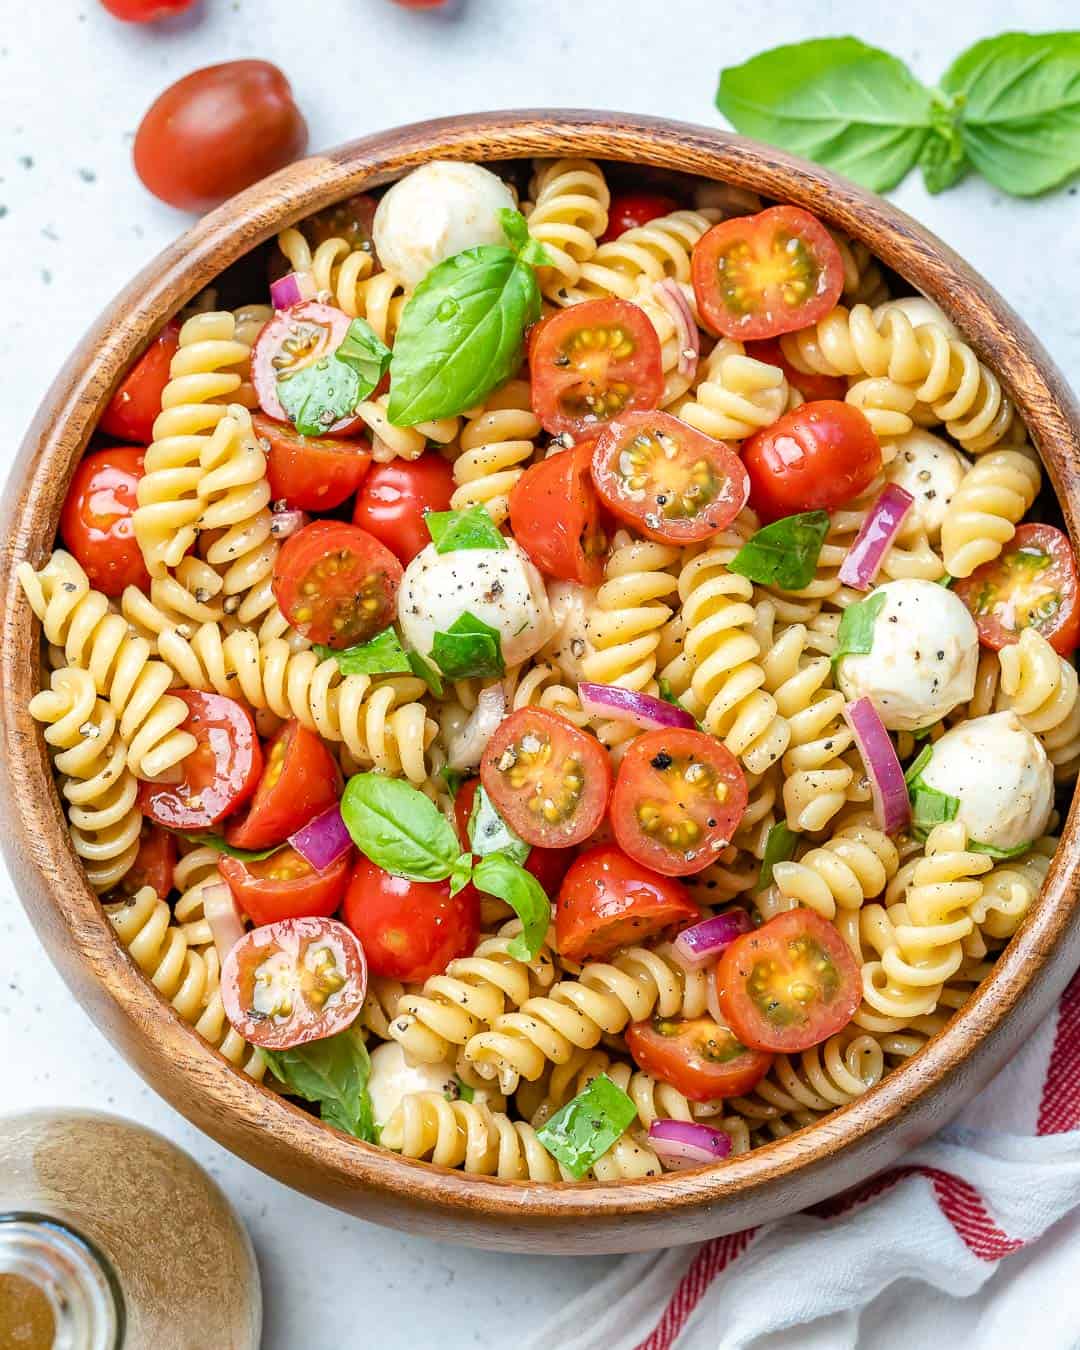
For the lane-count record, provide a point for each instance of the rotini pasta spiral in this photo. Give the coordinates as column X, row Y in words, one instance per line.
column 337, row 267
column 643, row 254
column 496, row 443
column 568, row 215
column 737, row 394
column 853, row 866
column 1009, row 890
column 1041, row 688
column 992, row 496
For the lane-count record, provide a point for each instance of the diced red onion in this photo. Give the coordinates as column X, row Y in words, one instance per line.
column 670, row 294
column 223, row 916
column 874, row 539
column 702, row 944
column 627, row 705
column 467, row 746
column 323, row 840
column 286, row 523
column 681, row 1144
column 291, row 289
column 892, row 808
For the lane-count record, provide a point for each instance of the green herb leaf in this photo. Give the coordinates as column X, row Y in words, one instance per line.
column 468, row 648
column 398, row 828
column 780, row 845
column 333, row 1072
column 994, row 852
column 945, row 580
column 216, row 842
column 515, row 227
column 453, row 778
column 855, row 636
column 942, row 158
column 785, row 553
column 1020, row 114
column 460, row 1092
column 382, row 655
column 581, row 1132
column 329, row 389
column 929, row 806
column 852, row 107
column 474, row 528
column 424, row 670
column 502, row 876
column 489, row 833
column 915, row 768
column 461, row 333
column 365, row 353
column 461, row 873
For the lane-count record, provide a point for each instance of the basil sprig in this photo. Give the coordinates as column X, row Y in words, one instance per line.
column 469, row 647
column 855, row 636
column 1008, row 107
column 383, row 655
column 780, row 845
column 455, row 530
column 334, row 1073
column 578, row 1135
column 330, row 389
column 785, row 553
column 462, row 330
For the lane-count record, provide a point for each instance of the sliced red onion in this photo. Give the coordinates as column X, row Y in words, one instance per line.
column 681, row 1144
column 874, row 539
column 323, row 840
column 702, row 944
column 283, row 524
column 892, row 809
column 292, row 288
column 467, row 746
column 223, row 916
column 627, row 705
column 670, row 294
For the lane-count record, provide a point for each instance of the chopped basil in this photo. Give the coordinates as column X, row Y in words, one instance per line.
column 929, row 807
column 216, row 842
column 398, row 828
column 855, row 636
column 334, row 1073
column 468, row 648
column 500, row 875
column 917, row 765
column 945, row 580
column 424, row 670
column 452, row 530
column 578, row 1135
column 994, row 852
column 328, row 390
column 489, row 833
column 780, row 845
column 382, row 655
column 785, row 553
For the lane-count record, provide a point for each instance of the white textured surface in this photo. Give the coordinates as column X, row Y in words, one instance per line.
column 75, row 225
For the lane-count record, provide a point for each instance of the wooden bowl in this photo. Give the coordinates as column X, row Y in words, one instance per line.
column 254, row 1122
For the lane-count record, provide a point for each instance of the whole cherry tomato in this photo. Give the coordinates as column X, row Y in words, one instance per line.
column 145, row 11
column 818, row 457
column 95, row 522
column 394, row 499
column 631, row 209
column 133, row 409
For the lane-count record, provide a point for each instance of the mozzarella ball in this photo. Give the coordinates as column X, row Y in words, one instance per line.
column 930, row 469
column 436, row 211
column 1001, row 776
column 569, row 644
column 922, row 661
column 499, row 586
column 393, row 1077
column 918, row 311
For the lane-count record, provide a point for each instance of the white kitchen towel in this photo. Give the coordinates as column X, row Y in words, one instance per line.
column 973, row 1240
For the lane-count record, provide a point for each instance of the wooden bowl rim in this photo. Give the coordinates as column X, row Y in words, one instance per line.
column 173, row 1057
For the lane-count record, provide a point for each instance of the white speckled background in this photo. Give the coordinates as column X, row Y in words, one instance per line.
column 75, row 224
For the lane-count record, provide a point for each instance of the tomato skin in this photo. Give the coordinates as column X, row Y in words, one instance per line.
column 556, row 517
column 301, row 779
column 811, row 386
column 630, row 209
column 321, row 997
column 221, row 772
column 790, row 948
column 133, row 409
column 608, row 901
column 285, row 886
column 154, row 863
column 547, row 865
column 702, row 1059
column 743, row 270
column 410, row 930
column 655, row 511
column 216, row 131
column 395, row 497
column 679, row 773
column 145, row 11
column 992, row 590
column 817, row 457
column 292, row 340
column 95, row 522
column 311, row 473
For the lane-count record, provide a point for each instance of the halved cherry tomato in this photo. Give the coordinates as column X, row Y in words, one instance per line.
column 336, row 583
column 760, row 276
column 154, row 863
column 1033, row 584
column 133, row 409
column 95, row 522
column 292, row 340
column 395, row 498
column 218, row 776
column 810, row 386
column 548, row 865
column 607, row 900
column 698, row 1056
column 286, row 886
column 678, row 799
column 292, row 982
column 668, row 480
column 549, row 781
column 311, row 473
column 818, row 457
column 788, row 985
column 301, row 779
column 593, row 362
column 145, row 11
column 555, row 516
column 631, row 209
column 410, row 929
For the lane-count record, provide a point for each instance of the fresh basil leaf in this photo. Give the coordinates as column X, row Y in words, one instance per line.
column 398, row 828
column 216, row 842
column 780, row 845
column 852, row 107
column 461, row 333
column 855, row 636
column 942, row 157
column 499, row 875
column 924, row 733
column 461, row 1091
column 1020, row 109
column 584, row 1129
column 929, row 807
column 515, row 227
column 468, row 648
column 383, row 655
column 489, row 833
column 362, row 349
column 915, row 768
column 453, row 778
column 334, row 1073
column 452, row 530
column 785, row 553
column 319, row 395
column 424, row 670
column 994, row 852
column 461, row 873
